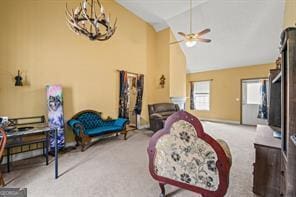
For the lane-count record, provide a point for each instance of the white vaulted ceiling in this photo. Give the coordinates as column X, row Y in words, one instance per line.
column 243, row 32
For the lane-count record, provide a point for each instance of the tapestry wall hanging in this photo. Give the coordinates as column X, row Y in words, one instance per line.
column 55, row 114
column 263, row 109
column 123, row 95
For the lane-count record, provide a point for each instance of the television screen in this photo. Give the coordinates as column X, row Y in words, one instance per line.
column 274, row 118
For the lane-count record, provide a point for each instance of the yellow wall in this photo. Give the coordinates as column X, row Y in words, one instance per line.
column 170, row 61
column 160, row 67
column 290, row 13
column 37, row 41
column 178, row 70
column 226, row 90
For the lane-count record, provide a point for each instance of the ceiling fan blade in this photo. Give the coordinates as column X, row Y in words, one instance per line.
column 182, row 34
column 176, row 42
column 204, row 40
column 203, row 32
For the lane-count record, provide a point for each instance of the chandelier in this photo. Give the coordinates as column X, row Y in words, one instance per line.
column 89, row 19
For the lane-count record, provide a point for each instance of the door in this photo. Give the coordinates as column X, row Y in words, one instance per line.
column 251, row 99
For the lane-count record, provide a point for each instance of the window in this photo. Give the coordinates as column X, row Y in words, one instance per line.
column 202, row 95
column 253, row 93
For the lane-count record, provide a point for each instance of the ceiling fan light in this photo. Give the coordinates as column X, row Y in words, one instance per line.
column 190, row 43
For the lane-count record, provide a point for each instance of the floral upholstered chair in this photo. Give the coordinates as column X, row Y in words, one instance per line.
column 183, row 155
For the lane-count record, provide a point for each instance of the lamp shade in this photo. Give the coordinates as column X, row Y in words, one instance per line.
column 190, row 43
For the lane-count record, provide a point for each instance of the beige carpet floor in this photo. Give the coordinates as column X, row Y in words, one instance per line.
column 116, row 168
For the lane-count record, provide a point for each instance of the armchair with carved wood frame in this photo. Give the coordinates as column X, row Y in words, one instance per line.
column 183, row 155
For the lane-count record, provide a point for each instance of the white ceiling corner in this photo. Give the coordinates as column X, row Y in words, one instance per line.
column 243, row 32
column 157, row 12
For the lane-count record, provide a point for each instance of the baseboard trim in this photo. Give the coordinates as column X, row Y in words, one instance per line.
column 39, row 152
column 30, row 154
column 220, row 121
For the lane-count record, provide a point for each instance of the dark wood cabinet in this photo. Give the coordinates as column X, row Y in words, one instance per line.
column 288, row 123
column 267, row 166
column 283, row 176
column 275, row 165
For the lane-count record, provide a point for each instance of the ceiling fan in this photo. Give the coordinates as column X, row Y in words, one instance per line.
column 192, row 38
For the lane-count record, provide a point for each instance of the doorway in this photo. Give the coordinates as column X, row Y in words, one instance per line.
column 132, row 99
column 251, row 100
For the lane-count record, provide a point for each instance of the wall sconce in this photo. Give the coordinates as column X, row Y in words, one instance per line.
column 162, row 81
column 18, row 79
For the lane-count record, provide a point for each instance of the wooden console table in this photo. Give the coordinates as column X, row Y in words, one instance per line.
column 267, row 166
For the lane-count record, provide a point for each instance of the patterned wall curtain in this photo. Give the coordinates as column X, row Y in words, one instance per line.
column 123, row 95
column 192, row 104
column 263, row 113
column 140, row 90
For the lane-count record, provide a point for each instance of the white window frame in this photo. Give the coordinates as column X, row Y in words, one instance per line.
column 209, row 95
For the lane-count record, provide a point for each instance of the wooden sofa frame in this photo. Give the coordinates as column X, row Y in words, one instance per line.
column 84, row 140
